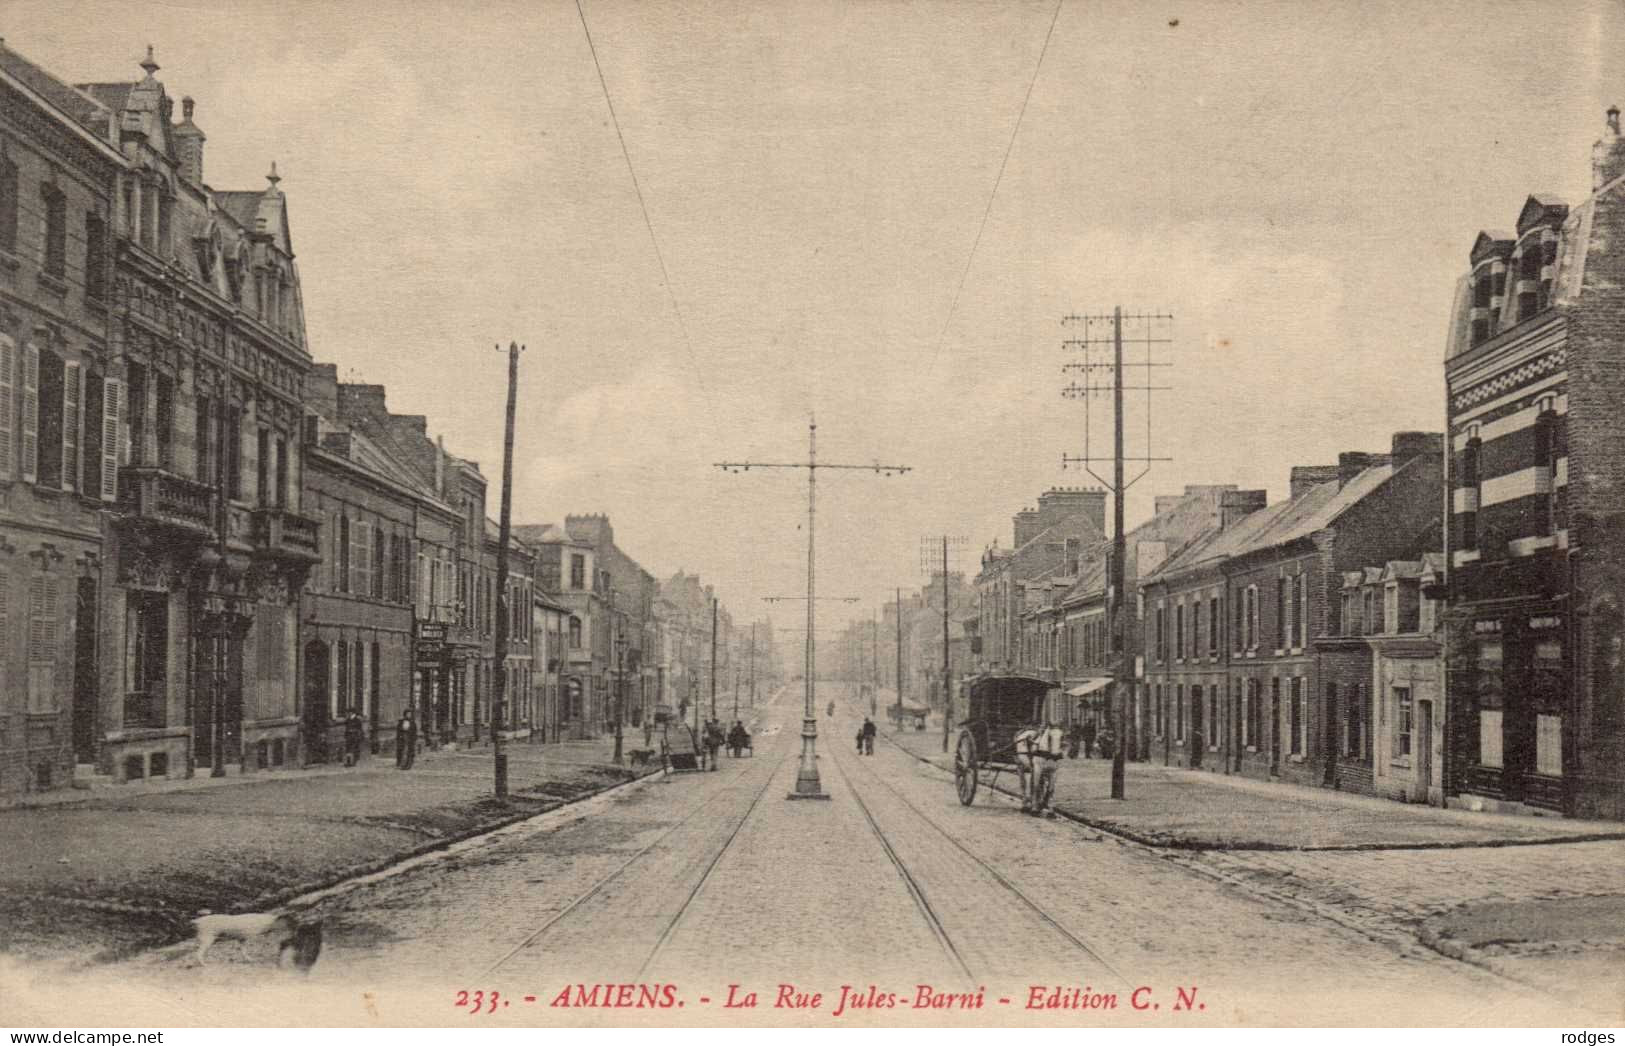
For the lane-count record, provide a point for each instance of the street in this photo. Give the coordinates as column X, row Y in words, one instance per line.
column 890, row 903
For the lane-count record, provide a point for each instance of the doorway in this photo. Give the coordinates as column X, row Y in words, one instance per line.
column 1424, row 751
column 316, row 701
column 1275, row 727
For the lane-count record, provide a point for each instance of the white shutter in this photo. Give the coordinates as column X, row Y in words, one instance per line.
column 112, row 416
column 31, row 413
column 8, row 406
column 73, row 397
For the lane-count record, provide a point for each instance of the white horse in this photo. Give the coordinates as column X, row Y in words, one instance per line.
column 1037, row 751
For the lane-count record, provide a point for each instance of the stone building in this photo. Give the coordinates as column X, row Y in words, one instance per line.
column 1535, row 372
column 180, row 416
column 59, row 172
column 566, row 573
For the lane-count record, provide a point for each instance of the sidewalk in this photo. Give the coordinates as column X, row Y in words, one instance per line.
column 1201, row 810
column 97, row 874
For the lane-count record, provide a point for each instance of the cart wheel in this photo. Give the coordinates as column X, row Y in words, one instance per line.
column 965, row 769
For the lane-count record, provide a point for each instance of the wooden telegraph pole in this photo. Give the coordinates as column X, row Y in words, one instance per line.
column 500, row 688
column 1094, row 338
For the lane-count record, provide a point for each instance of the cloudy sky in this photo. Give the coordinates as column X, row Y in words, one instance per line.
column 1297, row 183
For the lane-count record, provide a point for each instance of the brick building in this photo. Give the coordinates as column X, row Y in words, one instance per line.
column 1535, row 371
column 1231, row 621
column 357, row 609
column 566, row 574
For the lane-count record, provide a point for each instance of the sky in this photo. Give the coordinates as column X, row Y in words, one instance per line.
column 1297, row 184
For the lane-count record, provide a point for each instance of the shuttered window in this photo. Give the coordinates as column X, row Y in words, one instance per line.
column 44, row 597
column 31, row 413
column 73, row 399
column 8, row 406
column 112, row 416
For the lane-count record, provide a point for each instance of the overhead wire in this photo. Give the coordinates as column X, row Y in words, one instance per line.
column 1008, row 149
column 643, row 205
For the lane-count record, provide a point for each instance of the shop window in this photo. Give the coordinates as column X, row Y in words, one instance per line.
column 1549, row 745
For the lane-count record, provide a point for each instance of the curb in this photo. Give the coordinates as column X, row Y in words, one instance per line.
column 1260, row 846
column 301, row 895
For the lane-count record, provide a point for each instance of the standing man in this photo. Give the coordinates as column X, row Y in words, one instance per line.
column 868, row 736
column 1088, row 736
column 354, row 733
column 406, row 740
column 713, row 740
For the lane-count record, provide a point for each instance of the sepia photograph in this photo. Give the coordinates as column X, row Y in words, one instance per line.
column 811, row 514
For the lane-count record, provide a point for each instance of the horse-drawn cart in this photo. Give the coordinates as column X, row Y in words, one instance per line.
column 1003, row 732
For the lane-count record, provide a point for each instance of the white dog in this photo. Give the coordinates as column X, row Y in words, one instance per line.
column 298, row 943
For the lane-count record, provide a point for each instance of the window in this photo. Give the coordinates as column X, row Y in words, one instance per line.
column 1373, row 623
column 1282, row 590
column 1303, row 609
column 146, row 642
column 95, row 257
column 1546, row 455
column 1239, row 630
column 262, row 468
column 1162, row 637
column 1297, row 715
column 1549, row 745
column 578, row 570
column 1402, row 722
column 1179, row 711
column 44, row 600
column 1179, row 632
column 378, row 572
column 1157, row 708
column 1214, row 623
column 1252, row 617
column 343, row 558
column 30, row 430
column 341, row 689
column 1253, row 721
column 206, row 460
column 8, row 205
column 52, row 385
column 575, row 633
column 1213, row 732
column 164, row 421
column 361, row 558
column 1470, row 481
column 281, row 472
column 234, row 453
column 56, row 231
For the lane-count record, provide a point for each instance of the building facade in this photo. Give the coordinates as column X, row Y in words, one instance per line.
column 1536, row 392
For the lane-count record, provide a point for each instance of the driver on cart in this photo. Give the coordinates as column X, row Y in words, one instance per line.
column 1037, row 750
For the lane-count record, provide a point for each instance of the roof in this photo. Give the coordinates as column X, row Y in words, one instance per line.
column 76, row 103
column 242, row 205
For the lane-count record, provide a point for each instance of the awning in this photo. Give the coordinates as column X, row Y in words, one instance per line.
column 1091, row 687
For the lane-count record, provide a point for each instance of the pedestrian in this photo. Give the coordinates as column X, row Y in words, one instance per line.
column 736, row 739
column 1089, row 733
column 713, row 740
column 354, row 733
column 868, row 735
column 860, row 740
column 406, row 741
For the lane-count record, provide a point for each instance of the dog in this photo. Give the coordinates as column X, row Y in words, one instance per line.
column 642, row 756
column 298, row 944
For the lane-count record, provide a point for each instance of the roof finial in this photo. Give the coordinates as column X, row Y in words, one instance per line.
column 273, row 177
column 148, row 64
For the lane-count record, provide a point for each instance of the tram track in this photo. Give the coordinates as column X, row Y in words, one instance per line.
column 618, row 872
column 916, row 890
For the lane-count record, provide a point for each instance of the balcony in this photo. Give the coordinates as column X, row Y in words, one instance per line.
column 151, row 495
column 144, row 710
column 281, row 534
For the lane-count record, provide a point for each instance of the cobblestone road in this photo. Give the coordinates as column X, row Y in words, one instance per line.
column 714, row 884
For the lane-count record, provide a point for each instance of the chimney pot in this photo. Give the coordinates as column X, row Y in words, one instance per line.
column 1613, row 118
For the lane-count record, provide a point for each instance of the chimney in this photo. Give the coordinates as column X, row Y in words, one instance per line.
column 1236, row 505
column 1608, row 155
column 189, row 141
column 1306, row 477
column 1058, row 503
column 1026, row 526
column 1074, row 549
column 321, row 389
column 1351, row 463
column 1166, row 503
column 440, row 465
column 1408, row 445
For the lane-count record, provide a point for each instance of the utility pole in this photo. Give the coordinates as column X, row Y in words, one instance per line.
column 926, row 556
column 808, row 785
column 753, row 664
column 1093, row 338
column 874, row 665
column 899, row 680
column 500, row 688
column 713, row 657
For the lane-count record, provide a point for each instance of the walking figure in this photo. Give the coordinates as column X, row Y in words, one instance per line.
column 713, row 740
column 867, row 736
column 1089, row 731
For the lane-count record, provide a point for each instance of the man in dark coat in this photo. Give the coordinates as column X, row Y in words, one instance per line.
column 868, row 736
column 354, row 734
column 1088, row 738
column 406, row 741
